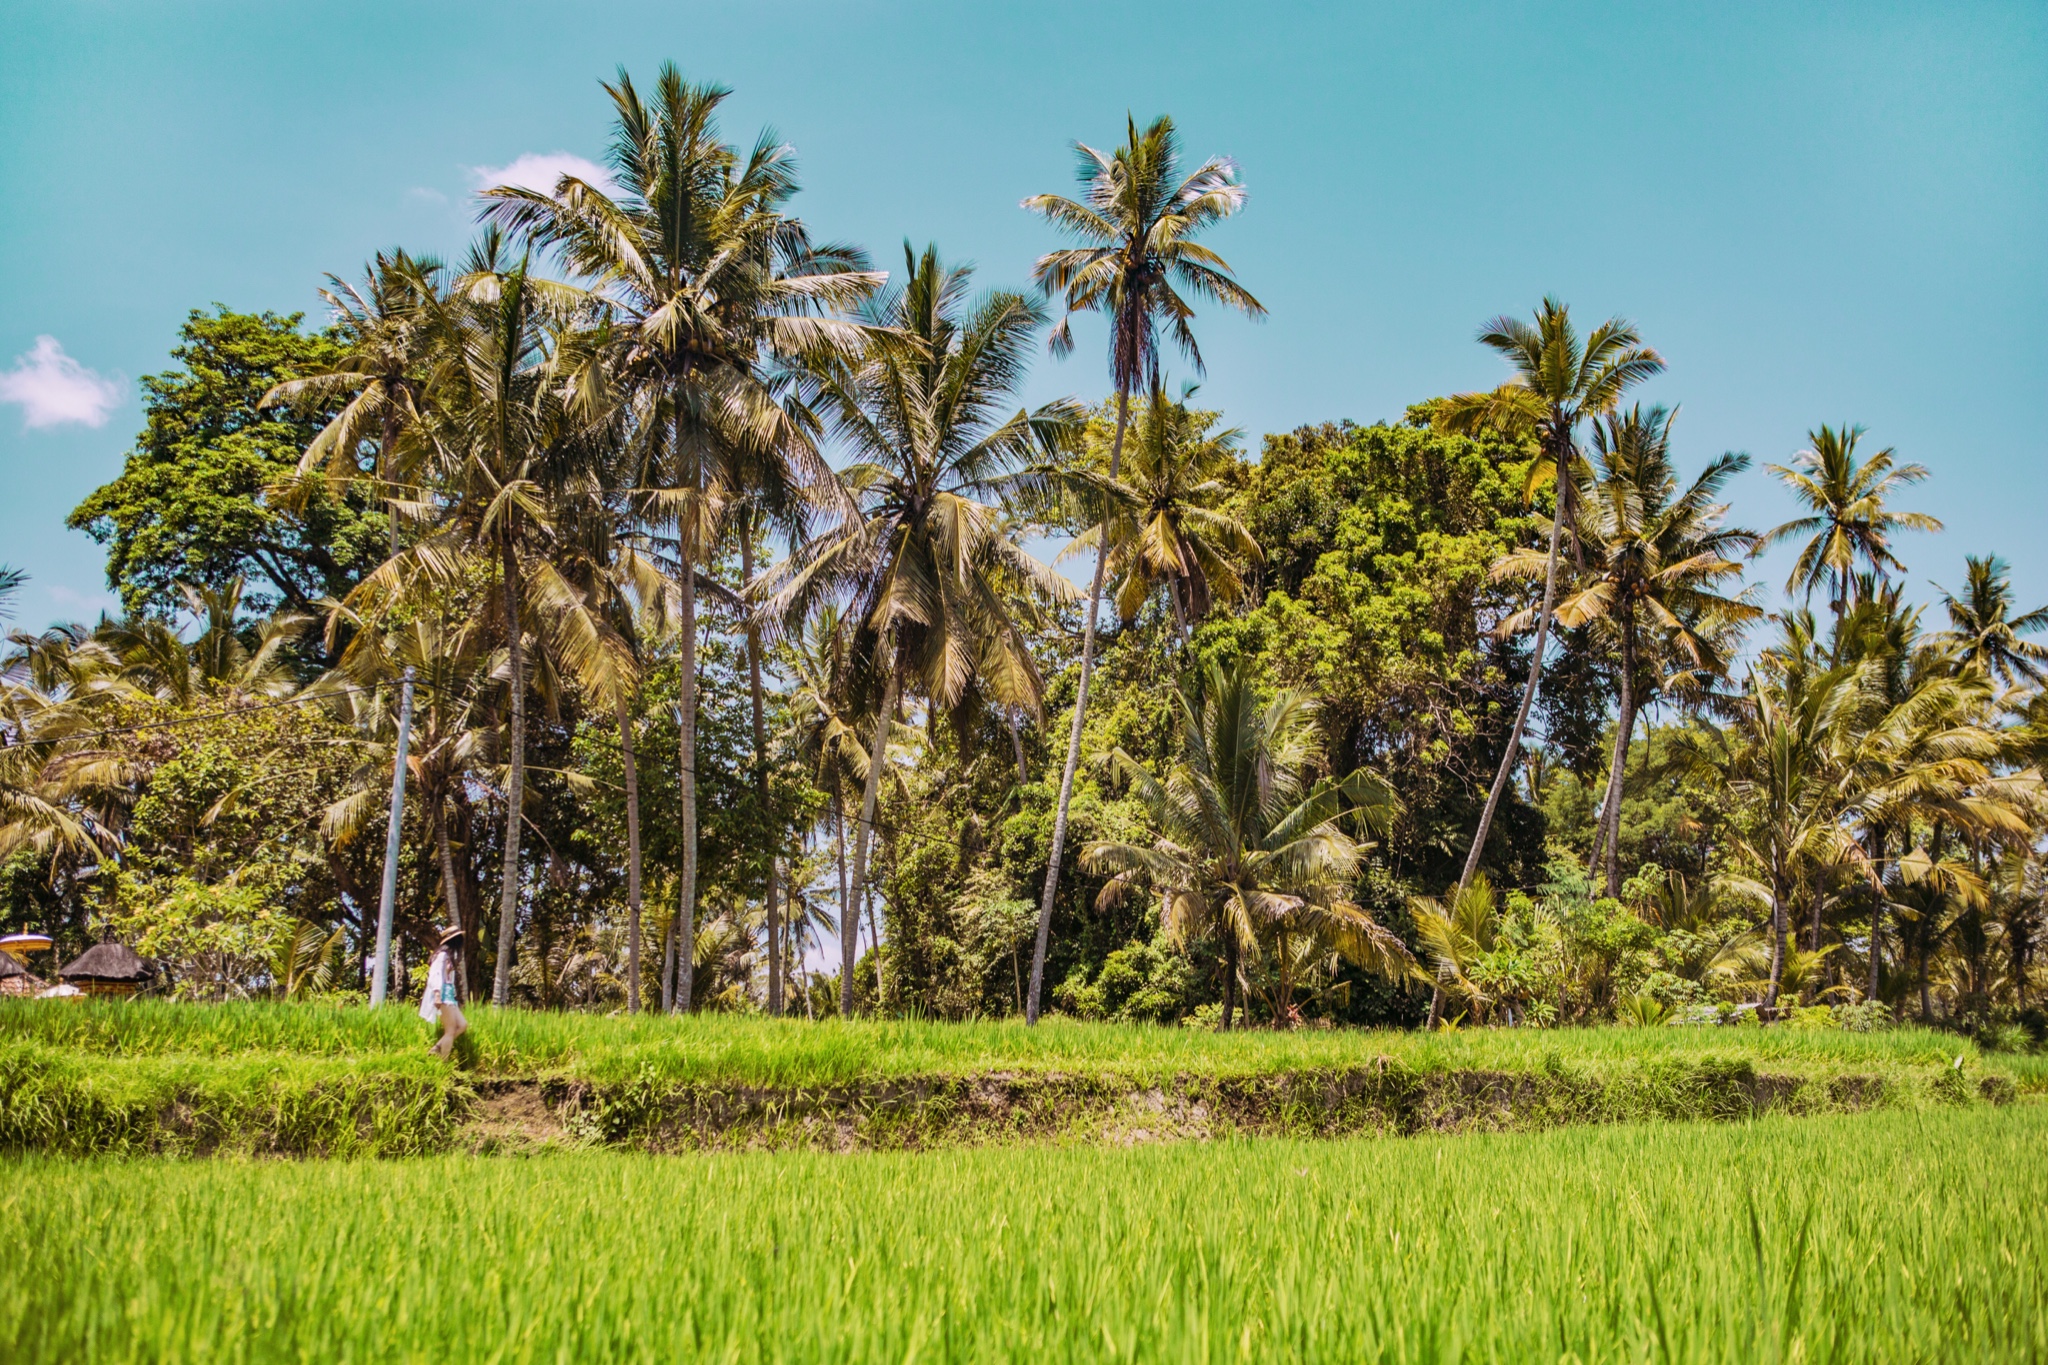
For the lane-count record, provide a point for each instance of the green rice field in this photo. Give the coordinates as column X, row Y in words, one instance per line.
column 754, row 1050
column 155, row 1078
column 1892, row 1236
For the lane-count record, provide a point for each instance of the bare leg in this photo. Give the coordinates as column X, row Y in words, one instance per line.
column 453, row 1026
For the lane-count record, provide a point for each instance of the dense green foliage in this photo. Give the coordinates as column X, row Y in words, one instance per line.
column 1823, row 1239
column 211, row 494
column 1376, row 546
column 710, row 551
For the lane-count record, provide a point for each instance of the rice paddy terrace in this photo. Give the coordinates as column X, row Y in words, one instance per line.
column 308, row 1080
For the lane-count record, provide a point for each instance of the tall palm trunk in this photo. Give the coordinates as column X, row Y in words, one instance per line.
column 668, row 970
column 878, row 753
column 387, row 439
column 1016, row 741
column 1059, row 819
column 1607, row 838
column 1778, row 930
column 515, row 785
column 445, row 857
column 1229, row 977
column 632, row 774
column 867, row 903
column 1514, row 747
column 1283, row 1005
column 684, row 940
column 466, row 888
column 839, row 857
column 761, row 772
column 1877, row 842
column 685, row 936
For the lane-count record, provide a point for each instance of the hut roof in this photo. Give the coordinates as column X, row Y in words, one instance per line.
column 16, row 979
column 107, row 962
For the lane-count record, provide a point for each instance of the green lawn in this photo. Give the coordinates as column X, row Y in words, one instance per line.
column 1895, row 1237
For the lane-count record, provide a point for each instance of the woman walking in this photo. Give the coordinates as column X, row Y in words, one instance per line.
column 441, row 1004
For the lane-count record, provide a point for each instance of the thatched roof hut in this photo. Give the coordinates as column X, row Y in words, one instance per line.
column 108, row 969
column 16, row 979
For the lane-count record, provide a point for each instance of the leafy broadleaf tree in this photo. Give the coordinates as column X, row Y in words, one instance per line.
column 212, row 494
column 1138, row 265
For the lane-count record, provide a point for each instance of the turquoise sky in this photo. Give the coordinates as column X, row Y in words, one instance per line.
column 1818, row 213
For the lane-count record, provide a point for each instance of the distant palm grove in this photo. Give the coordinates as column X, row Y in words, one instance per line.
column 719, row 563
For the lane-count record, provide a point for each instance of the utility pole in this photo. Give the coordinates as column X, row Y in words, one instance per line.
column 390, row 892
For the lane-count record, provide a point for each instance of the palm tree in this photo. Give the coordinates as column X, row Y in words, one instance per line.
column 451, row 661
column 1655, row 555
column 1456, row 936
column 1246, row 846
column 827, row 726
column 1830, row 747
column 381, row 379
column 508, row 462
column 1706, row 948
column 1936, row 896
column 773, row 499
column 707, row 281
column 156, row 659
column 1847, row 520
column 63, row 787
column 825, row 731
column 1984, row 631
column 1559, row 382
column 600, row 550
column 1786, row 766
column 928, row 567
column 1164, row 520
column 1919, row 751
column 1138, row 219
column 2018, row 906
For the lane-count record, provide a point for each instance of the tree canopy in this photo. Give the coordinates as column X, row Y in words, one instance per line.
column 211, row 492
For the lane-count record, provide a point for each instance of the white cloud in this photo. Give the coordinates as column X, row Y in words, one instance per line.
column 540, row 171
column 53, row 389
